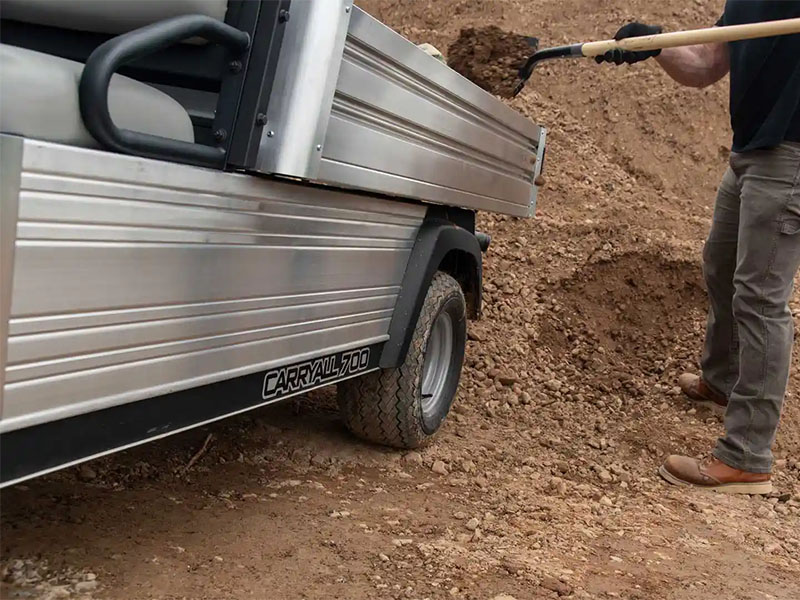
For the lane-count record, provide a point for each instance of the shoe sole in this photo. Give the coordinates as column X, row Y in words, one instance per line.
column 710, row 405
column 715, row 408
column 756, row 489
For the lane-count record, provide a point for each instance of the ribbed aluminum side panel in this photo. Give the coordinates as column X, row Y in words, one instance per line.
column 403, row 123
column 399, row 122
column 136, row 277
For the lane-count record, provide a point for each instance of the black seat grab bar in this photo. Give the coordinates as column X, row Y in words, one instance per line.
column 118, row 51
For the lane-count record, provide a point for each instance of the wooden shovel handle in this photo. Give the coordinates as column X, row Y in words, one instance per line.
column 673, row 39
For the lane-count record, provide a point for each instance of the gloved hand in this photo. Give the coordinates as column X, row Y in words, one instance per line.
column 625, row 56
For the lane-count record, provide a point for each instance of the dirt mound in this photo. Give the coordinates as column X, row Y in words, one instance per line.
column 490, row 57
column 631, row 310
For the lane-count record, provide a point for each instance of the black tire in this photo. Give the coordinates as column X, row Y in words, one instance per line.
column 387, row 406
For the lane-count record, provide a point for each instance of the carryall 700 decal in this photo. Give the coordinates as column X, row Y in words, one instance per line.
column 318, row 371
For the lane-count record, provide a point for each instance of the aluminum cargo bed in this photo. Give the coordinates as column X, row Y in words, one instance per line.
column 356, row 105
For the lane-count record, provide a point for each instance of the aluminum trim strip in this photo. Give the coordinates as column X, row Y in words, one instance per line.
column 299, row 108
column 11, row 149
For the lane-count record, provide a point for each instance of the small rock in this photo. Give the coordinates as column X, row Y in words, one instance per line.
column 513, row 566
column 508, row 379
column 413, row 457
column 503, row 597
column 319, row 460
column 86, row 473
column 90, row 577
column 383, row 557
column 775, row 497
column 554, row 585
column 472, row 524
column 85, row 586
column 763, row 511
column 402, row 542
column 475, row 335
column 58, row 591
column 558, row 485
column 460, row 515
column 439, row 467
column 553, row 385
column 606, row 501
column 772, row 548
column 604, row 476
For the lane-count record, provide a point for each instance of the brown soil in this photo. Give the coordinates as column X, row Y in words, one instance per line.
column 490, row 57
column 567, row 403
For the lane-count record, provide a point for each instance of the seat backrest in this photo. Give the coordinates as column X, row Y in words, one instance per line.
column 107, row 16
column 200, row 76
column 190, row 72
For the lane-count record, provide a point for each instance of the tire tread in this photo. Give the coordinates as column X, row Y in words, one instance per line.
column 382, row 406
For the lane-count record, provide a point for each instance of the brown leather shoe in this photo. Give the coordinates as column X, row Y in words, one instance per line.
column 698, row 390
column 714, row 475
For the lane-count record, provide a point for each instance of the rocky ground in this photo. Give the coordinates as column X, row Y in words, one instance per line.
column 542, row 483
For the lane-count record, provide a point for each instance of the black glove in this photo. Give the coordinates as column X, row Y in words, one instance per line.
column 626, row 56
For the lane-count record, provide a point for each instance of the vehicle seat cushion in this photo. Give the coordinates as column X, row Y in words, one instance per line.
column 39, row 99
column 107, row 16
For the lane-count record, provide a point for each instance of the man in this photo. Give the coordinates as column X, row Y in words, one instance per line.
column 753, row 249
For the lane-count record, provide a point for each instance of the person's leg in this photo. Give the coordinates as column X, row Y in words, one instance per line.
column 767, row 260
column 719, row 361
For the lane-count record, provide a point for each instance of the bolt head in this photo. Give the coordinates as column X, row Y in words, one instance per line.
column 347, row 9
column 270, row 133
column 319, row 147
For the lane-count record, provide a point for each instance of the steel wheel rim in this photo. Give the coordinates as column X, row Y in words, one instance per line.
column 436, row 365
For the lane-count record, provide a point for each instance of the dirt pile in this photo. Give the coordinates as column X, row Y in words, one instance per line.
column 542, row 484
column 624, row 318
column 490, row 57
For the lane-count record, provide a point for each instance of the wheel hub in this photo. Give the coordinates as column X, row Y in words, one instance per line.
column 436, row 365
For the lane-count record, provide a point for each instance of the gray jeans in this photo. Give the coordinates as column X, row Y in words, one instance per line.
column 749, row 263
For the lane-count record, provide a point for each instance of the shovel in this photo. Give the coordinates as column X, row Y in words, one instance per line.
column 674, row 39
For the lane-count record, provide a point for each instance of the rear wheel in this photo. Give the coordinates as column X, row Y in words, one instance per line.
column 404, row 407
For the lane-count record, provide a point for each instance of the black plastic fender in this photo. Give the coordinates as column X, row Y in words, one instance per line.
column 440, row 245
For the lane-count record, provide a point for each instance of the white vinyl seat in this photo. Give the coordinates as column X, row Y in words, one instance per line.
column 39, row 92
column 107, row 16
column 39, row 99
